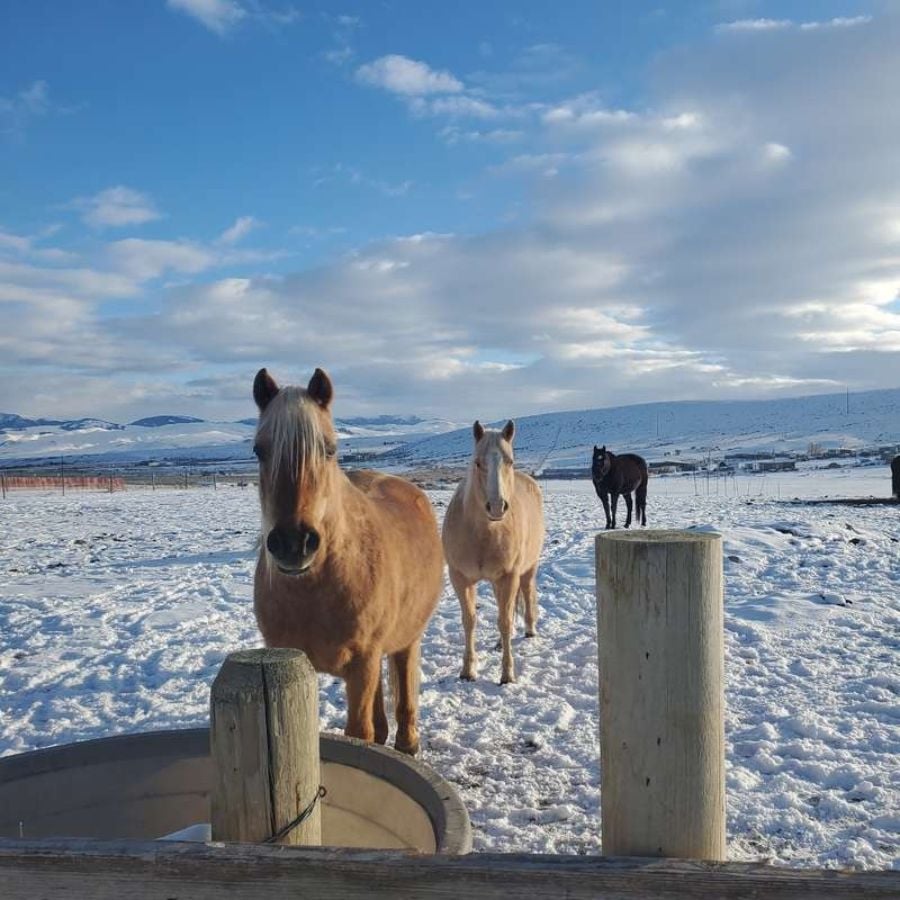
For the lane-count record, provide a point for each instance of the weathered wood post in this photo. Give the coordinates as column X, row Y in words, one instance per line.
column 662, row 732
column 264, row 734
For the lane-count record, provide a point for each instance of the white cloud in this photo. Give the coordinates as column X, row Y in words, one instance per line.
column 344, row 29
column 144, row 260
column 116, row 207
column 27, row 246
column 35, row 98
column 453, row 134
column 454, row 107
column 763, row 25
column 242, row 226
column 15, row 242
column 839, row 22
column 576, row 116
column 776, row 153
column 755, row 25
column 19, row 110
column 407, row 77
column 219, row 16
column 351, row 175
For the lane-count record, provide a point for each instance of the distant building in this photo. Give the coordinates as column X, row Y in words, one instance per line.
column 773, row 465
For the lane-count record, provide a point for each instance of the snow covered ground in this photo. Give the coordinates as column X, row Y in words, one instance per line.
column 117, row 609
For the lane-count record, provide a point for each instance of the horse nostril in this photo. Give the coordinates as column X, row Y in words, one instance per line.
column 505, row 506
column 487, row 506
column 274, row 543
column 311, row 542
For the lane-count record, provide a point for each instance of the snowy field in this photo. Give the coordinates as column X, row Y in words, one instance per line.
column 117, row 609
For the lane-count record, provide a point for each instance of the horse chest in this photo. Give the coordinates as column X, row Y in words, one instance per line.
column 328, row 629
column 490, row 554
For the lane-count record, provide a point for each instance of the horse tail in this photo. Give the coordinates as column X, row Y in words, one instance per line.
column 394, row 682
column 640, row 496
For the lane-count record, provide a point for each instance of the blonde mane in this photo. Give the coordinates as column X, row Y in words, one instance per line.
column 293, row 431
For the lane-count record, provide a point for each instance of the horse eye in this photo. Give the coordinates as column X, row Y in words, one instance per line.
column 330, row 451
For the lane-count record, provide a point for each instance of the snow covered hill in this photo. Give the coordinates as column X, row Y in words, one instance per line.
column 561, row 440
column 180, row 438
column 686, row 429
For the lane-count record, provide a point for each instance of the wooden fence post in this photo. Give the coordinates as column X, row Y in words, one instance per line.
column 662, row 732
column 264, row 734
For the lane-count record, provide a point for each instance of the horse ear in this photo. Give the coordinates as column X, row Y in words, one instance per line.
column 320, row 388
column 596, row 448
column 509, row 430
column 478, row 431
column 264, row 389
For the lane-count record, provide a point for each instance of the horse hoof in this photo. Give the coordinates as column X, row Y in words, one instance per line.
column 508, row 679
column 530, row 634
column 408, row 749
column 467, row 676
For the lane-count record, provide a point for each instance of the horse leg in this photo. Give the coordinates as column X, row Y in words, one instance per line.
column 505, row 591
column 405, row 681
column 604, row 499
column 381, row 722
column 628, row 507
column 528, row 589
column 615, row 504
column 363, row 680
column 466, row 594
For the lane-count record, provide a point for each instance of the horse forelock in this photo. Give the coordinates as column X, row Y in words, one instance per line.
column 292, row 430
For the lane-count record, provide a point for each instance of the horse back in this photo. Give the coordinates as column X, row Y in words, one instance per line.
column 395, row 497
column 635, row 468
column 627, row 473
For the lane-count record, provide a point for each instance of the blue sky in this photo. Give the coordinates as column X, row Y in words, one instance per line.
column 467, row 209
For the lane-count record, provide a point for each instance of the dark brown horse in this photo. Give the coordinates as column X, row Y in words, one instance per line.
column 350, row 563
column 895, row 477
column 616, row 475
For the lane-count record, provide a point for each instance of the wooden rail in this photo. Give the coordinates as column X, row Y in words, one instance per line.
column 159, row 870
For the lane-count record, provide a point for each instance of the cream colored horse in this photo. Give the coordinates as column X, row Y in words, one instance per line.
column 494, row 531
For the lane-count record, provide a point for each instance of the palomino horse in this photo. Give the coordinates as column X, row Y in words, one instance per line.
column 494, row 530
column 616, row 475
column 350, row 565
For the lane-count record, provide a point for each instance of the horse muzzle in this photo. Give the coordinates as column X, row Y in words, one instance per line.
column 293, row 549
column 496, row 510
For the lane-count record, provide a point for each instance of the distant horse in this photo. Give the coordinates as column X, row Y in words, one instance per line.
column 895, row 477
column 494, row 531
column 616, row 475
column 350, row 565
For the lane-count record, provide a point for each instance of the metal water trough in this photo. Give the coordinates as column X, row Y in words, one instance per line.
column 141, row 786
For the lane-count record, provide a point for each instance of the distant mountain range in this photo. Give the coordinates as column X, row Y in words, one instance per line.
column 157, row 421
column 179, row 439
column 561, row 440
